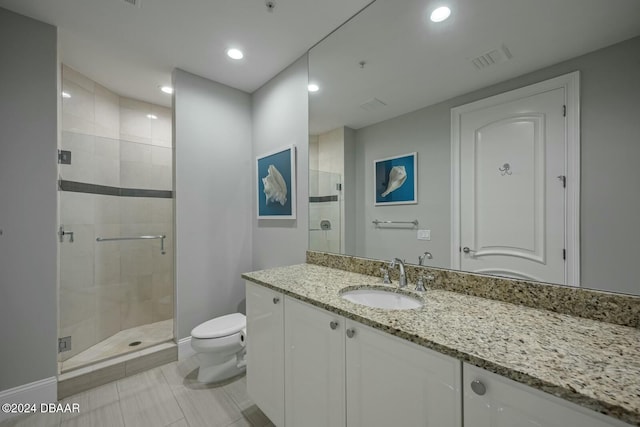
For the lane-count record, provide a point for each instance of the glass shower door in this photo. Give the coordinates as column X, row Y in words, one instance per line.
column 116, row 252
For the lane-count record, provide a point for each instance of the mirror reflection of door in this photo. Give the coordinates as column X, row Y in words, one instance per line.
column 513, row 169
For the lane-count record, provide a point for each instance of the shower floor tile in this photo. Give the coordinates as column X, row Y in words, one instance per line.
column 118, row 344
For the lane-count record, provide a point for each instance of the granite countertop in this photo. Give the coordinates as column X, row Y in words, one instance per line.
column 591, row 363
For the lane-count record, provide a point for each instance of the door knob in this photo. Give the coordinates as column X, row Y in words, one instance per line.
column 478, row 387
column 351, row 332
column 333, row 324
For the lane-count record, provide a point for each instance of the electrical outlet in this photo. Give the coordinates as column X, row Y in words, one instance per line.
column 424, row 234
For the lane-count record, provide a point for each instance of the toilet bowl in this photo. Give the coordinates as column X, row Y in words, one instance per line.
column 220, row 347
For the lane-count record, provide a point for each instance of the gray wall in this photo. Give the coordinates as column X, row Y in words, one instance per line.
column 426, row 132
column 280, row 118
column 610, row 177
column 213, row 170
column 28, row 246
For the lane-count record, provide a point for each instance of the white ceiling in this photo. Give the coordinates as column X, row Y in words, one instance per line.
column 131, row 50
column 412, row 62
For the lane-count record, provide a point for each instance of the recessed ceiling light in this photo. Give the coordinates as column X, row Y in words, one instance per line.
column 152, row 116
column 66, row 95
column 313, row 87
column 440, row 14
column 235, row 53
column 166, row 89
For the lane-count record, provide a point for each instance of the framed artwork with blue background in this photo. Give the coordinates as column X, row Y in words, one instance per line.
column 396, row 180
column 277, row 184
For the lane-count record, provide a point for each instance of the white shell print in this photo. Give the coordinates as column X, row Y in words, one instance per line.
column 275, row 187
column 397, row 177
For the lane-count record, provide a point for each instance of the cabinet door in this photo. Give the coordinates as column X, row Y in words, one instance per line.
column 391, row 382
column 265, row 350
column 314, row 366
column 501, row 402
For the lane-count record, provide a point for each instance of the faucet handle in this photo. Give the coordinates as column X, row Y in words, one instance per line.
column 420, row 283
column 385, row 276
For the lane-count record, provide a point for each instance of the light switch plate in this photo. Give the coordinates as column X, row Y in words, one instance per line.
column 424, row 234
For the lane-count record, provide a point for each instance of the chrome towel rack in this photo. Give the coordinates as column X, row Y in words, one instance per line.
column 160, row 236
column 377, row 222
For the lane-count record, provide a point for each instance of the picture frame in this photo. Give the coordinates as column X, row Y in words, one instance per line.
column 396, row 180
column 276, row 173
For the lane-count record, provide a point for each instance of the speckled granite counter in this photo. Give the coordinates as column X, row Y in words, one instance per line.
column 591, row 363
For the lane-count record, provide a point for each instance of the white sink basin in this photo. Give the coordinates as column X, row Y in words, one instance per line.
column 381, row 298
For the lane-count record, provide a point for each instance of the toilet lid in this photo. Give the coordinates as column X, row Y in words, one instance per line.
column 220, row 326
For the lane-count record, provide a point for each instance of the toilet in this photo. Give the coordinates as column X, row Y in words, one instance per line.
column 220, row 346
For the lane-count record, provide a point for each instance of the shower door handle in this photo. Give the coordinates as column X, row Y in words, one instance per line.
column 62, row 233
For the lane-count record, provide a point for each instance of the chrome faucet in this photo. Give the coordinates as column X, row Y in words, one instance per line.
column 426, row 255
column 403, row 276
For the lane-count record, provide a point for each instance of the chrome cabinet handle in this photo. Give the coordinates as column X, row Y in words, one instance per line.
column 276, row 300
column 333, row 324
column 351, row 332
column 478, row 387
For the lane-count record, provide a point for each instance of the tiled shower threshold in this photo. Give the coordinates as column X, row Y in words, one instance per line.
column 119, row 344
column 97, row 374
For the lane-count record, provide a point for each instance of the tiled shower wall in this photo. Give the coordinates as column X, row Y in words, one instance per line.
column 106, row 287
column 324, row 204
column 326, row 169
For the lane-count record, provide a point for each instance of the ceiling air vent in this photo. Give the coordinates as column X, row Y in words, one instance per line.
column 135, row 3
column 374, row 104
column 492, row 57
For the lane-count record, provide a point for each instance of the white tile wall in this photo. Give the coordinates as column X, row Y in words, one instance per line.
column 82, row 167
column 76, row 208
column 80, row 79
column 106, row 209
column 161, row 133
column 135, row 126
column 110, row 286
column 161, row 177
column 78, row 110
column 109, row 148
column 107, row 256
column 107, row 113
column 135, row 152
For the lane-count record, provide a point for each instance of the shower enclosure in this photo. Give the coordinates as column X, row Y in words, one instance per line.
column 116, row 289
column 325, row 211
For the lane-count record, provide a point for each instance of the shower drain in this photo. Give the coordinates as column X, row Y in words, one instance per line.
column 135, row 343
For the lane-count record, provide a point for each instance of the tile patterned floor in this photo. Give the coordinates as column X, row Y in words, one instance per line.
column 118, row 344
column 167, row 396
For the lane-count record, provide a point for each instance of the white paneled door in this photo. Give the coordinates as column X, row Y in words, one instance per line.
column 513, row 170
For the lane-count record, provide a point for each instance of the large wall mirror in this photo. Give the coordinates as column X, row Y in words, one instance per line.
column 392, row 83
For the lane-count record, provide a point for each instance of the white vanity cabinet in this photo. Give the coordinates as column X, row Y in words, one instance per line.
column 491, row 400
column 332, row 363
column 314, row 366
column 392, row 382
column 310, row 367
column 265, row 350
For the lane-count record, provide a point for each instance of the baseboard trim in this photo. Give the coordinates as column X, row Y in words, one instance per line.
column 43, row 391
column 184, row 348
